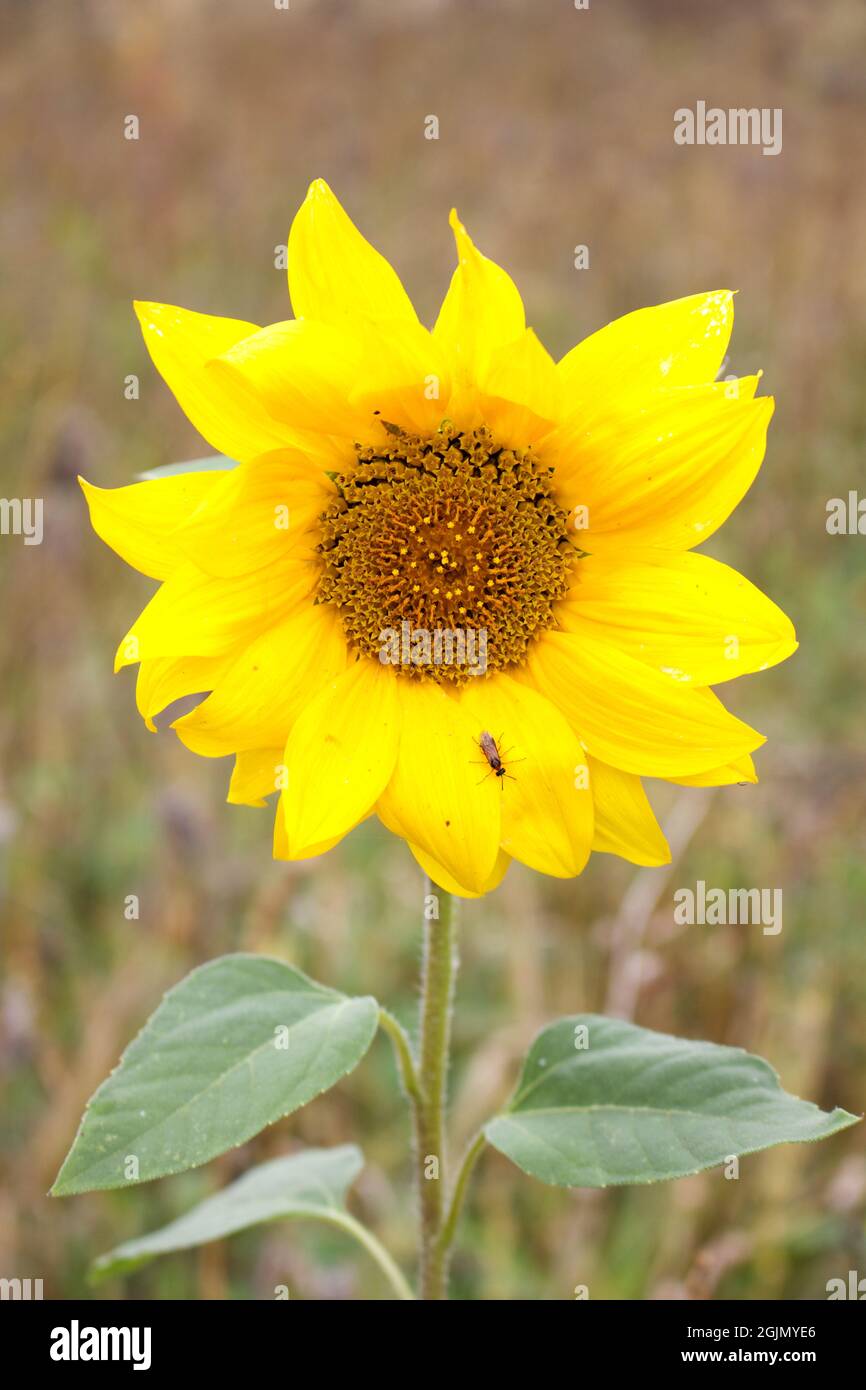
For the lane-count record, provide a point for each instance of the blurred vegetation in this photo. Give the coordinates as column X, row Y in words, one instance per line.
column 555, row 130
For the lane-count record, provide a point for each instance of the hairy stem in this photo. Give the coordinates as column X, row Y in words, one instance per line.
column 403, row 1053
column 437, row 993
column 448, row 1229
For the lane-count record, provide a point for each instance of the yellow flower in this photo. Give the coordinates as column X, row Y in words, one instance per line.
column 450, row 581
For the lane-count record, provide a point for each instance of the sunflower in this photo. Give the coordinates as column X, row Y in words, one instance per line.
column 449, row 581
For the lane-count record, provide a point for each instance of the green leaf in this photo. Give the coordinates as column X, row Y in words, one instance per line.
column 234, row 1047
column 312, row 1184
column 633, row 1106
column 220, row 462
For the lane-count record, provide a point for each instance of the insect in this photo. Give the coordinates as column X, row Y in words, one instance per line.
column 386, row 424
column 487, row 744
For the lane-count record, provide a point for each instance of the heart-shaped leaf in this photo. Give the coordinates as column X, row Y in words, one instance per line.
column 601, row 1102
column 239, row 1043
column 312, row 1184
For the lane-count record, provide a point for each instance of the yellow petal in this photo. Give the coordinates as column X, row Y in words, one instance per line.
column 282, row 849
column 257, row 774
column 741, row 770
column 269, row 683
column 681, row 343
column 139, row 521
column 630, row 715
column 195, row 614
column 444, row 879
column 406, row 379
column 546, row 798
column 481, row 312
column 335, row 275
column 340, row 755
column 437, row 798
column 317, row 376
column 624, row 820
column 299, row 372
column 257, row 514
column 162, row 681
column 665, row 475
column 519, row 392
column 689, row 615
column 181, row 343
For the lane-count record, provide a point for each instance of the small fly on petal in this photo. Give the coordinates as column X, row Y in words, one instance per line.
column 488, row 745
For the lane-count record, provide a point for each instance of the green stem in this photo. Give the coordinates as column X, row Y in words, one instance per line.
column 403, row 1053
column 455, row 1207
column 437, row 992
column 373, row 1247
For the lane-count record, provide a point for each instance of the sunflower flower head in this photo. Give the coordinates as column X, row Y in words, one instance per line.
column 449, row 581
column 445, row 532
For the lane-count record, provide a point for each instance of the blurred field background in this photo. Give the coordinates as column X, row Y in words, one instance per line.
column 555, row 130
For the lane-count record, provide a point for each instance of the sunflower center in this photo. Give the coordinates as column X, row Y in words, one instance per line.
column 444, row 554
